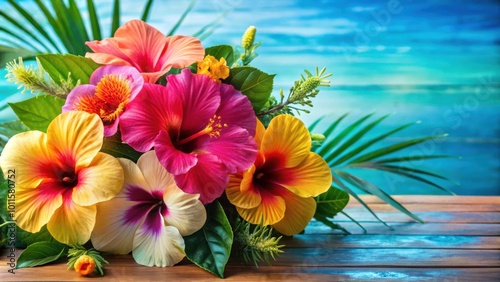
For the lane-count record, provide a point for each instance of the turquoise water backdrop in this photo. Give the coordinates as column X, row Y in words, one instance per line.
column 436, row 62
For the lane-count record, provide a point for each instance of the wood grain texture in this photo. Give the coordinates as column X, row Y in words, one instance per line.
column 459, row 242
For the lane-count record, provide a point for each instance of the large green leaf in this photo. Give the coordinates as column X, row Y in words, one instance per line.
column 37, row 113
column 255, row 84
column 210, row 247
column 41, row 253
column 9, row 129
column 221, row 51
column 58, row 66
column 329, row 204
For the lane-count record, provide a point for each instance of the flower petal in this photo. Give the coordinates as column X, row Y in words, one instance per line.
column 163, row 249
column 133, row 175
column 207, row 178
column 200, row 99
column 234, row 147
column 77, row 136
column 78, row 93
column 155, row 109
column 299, row 211
column 172, row 159
column 308, row 179
column 241, row 192
column 259, row 133
column 236, row 109
column 35, row 207
column 154, row 173
column 181, row 52
column 107, row 52
column 184, row 211
column 270, row 211
column 98, row 182
column 286, row 140
column 71, row 223
column 112, row 232
column 129, row 73
column 18, row 155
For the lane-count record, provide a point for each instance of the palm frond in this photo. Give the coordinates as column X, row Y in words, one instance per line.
column 182, row 18
column 342, row 152
column 70, row 28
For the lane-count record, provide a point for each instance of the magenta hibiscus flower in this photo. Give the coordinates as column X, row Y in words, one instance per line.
column 201, row 131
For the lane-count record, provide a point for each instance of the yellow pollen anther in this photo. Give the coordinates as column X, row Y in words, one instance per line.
column 212, row 129
column 112, row 94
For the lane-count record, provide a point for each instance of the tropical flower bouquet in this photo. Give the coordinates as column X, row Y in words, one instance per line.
column 157, row 146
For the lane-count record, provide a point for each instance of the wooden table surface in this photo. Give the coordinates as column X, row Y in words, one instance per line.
column 460, row 241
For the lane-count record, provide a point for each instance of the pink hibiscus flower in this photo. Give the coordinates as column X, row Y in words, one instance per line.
column 200, row 130
column 142, row 46
column 110, row 90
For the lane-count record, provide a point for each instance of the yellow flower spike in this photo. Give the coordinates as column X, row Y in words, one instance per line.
column 215, row 69
column 85, row 265
column 248, row 37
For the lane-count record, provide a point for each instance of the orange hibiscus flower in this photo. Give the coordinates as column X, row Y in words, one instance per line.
column 278, row 189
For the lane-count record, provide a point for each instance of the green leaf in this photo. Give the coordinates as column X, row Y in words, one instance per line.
column 22, row 29
column 116, row 16
column 331, row 202
column 374, row 190
column 26, row 14
column 8, row 54
column 361, row 148
column 37, row 113
column 255, row 84
column 28, row 238
column 59, row 66
column 221, row 51
column 351, row 141
column 114, row 146
column 182, row 18
column 352, row 193
column 41, row 253
column 394, row 148
column 4, row 214
column 9, row 129
column 210, row 247
column 329, row 145
column 58, row 27
column 94, row 20
column 147, row 9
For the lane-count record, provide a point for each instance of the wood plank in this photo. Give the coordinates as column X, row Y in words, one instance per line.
column 265, row 273
column 432, row 199
column 411, row 228
column 128, row 271
column 429, row 217
column 319, row 256
column 420, row 207
column 392, row 241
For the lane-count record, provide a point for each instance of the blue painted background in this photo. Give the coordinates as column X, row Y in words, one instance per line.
column 436, row 62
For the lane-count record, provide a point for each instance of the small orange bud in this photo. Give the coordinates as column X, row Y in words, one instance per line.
column 85, row 265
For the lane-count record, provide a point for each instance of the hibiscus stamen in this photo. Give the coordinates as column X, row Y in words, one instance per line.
column 69, row 179
column 112, row 95
column 213, row 129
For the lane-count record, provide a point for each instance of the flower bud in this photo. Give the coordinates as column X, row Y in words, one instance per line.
column 85, row 265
